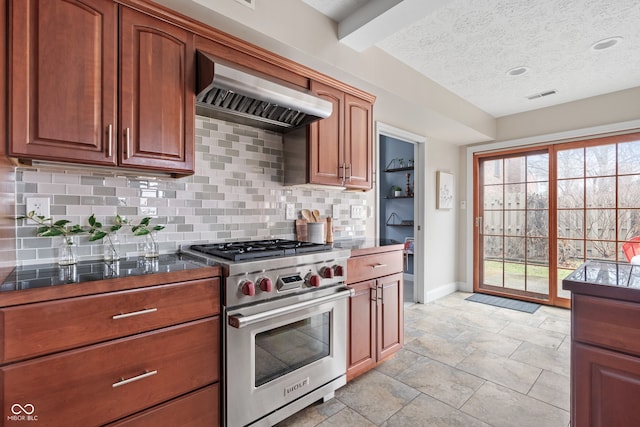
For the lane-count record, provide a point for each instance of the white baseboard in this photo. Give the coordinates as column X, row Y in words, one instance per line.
column 408, row 276
column 441, row 291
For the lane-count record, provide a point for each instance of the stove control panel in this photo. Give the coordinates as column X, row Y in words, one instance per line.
column 290, row 282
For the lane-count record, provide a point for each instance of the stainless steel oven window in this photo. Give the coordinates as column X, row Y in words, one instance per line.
column 290, row 347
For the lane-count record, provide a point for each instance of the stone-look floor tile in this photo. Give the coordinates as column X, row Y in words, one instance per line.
column 401, row 361
column 552, row 388
column 502, row 407
column 466, row 306
column 565, row 347
column 544, row 358
column 520, row 317
column 376, row 396
column 543, row 338
column 556, row 325
column 426, row 411
column 314, row 414
column 485, row 321
column 561, row 313
column 501, row 370
column 486, row 341
column 411, row 333
column 443, row 326
column 441, row 349
column 347, row 417
column 443, row 382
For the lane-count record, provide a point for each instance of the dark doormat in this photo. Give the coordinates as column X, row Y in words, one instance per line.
column 513, row 304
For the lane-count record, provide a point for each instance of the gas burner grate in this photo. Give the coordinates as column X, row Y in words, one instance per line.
column 274, row 248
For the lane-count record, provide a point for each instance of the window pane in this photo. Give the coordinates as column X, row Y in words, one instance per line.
column 570, row 253
column 628, row 223
column 628, row 155
column 538, row 223
column 601, row 224
column 514, row 169
column 514, row 223
column 492, row 274
column 538, row 279
column 492, row 172
column 571, row 193
column 515, row 248
column 600, row 250
column 570, row 163
column 538, row 195
column 493, row 247
column 601, row 160
column 570, row 223
column 493, row 196
column 538, row 251
column 601, row 192
column 538, row 167
column 629, row 191
column 514, row 195
column 492, row 222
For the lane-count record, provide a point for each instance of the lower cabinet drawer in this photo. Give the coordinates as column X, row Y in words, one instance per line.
column 367, row 267
column 36, row 329
column 198, row 409
column 105, row 382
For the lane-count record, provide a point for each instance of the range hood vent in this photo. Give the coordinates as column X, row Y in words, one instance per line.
column 234, row 94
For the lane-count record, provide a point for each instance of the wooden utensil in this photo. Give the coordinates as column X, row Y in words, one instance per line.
column 306, row 214
column 301, row 230
column 316, row 215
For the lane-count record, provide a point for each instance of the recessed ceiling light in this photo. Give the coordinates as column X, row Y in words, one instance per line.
column 518, row 71
column 606, row 43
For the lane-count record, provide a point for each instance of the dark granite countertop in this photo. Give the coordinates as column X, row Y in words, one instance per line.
column 48, row 275
column 368, row 245
column 605, row 279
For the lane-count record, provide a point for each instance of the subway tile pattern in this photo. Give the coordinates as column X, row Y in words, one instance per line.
column 237, row 193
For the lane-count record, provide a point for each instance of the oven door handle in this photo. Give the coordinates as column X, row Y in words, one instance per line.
column 240, row 321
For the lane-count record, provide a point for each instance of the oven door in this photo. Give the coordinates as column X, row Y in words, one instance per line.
column 279, row 351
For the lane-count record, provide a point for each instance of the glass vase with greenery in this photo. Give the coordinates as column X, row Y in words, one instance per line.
column 144, row 228
column 111, row 244
column 47, row 227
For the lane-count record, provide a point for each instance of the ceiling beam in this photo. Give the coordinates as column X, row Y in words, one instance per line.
column 378, row 19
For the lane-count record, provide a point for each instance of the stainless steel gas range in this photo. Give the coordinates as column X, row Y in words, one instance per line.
column 285, row 323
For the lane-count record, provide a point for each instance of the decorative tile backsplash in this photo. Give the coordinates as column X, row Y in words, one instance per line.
column 237, row 193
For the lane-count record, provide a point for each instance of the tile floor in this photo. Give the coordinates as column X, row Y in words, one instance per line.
column 463, row 364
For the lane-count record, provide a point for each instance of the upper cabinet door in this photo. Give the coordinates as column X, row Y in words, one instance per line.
column 157, row 98
column 62, row 80
column 326, row 140
column 358, row 142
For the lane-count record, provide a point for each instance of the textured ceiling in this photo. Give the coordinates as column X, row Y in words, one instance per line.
column 468, row 46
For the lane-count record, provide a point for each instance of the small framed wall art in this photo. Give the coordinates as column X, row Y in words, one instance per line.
column 444, row 190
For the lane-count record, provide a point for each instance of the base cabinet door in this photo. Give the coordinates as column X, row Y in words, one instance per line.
column 390, row 315
column 375, row 323
column 362, row 354
column 605, row 388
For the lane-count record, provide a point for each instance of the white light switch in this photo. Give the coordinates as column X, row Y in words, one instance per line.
column 358, row 212
column 290, row 212
column 335, row 211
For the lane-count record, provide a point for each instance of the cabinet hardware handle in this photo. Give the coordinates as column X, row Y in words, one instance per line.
column 348, row 167
column 128, row 137
column 133, row 313
column 110, row 138
column 378, row 265
column 380, row 294
column 133, row 379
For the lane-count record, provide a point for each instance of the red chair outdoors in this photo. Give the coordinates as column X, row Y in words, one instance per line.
column 631, row 248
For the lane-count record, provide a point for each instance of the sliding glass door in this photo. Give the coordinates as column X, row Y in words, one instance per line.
column 542, row 212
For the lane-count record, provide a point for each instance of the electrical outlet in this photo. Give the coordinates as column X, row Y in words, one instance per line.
column 357, row 212
column 290, row 212
column 39, row 205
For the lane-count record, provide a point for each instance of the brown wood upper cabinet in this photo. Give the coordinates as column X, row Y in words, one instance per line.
column 64, row 88
column 341, row 145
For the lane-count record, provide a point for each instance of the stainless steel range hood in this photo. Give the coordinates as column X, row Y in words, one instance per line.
column 233, row 94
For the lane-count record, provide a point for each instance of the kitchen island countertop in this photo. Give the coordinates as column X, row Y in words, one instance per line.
column 605, row 279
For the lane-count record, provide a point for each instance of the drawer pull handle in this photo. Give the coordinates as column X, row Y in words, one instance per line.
column 133, row 379
column 134, row 313
column 379, row 266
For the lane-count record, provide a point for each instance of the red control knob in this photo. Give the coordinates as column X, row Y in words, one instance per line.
column 265, row 284
column 248, row 288
column 339, row 270
column 314, row 281
column 327, row 272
